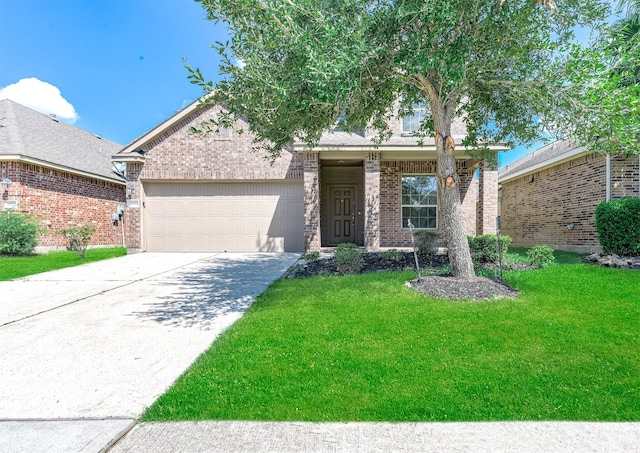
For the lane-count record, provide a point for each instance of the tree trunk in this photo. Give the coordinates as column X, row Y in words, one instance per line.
column 449, row 189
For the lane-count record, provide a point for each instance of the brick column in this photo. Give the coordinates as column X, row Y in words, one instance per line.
column 133, row 211
column 311, row 202
column 372, row 202
column 487, row 199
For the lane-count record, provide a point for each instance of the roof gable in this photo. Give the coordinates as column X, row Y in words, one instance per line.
column 28, row 135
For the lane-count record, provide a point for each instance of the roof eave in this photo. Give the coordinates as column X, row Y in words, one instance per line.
column 569, row 155
column 51, row 165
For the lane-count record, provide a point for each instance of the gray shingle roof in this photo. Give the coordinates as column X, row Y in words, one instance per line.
column 535, row 159
column 33, row 135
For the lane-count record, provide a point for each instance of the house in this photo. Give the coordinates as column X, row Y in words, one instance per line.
column 549, row 196
column 59, row 173
column 193, row 192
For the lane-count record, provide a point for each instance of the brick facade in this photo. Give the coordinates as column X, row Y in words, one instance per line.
column 556, row 206
column 178, row 154
column 487, row 191
column 391, row 232
column 311, row 202
column 62, row 199
column 175, row 154
column 372, row 202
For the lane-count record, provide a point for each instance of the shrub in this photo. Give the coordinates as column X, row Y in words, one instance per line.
column 484, row 248
column 348, row 258
column 394, row 255
column 78, row 238
column 18, row 233
column 618, row 226
column 426, row 242
column 311, row 257
column 541, row 256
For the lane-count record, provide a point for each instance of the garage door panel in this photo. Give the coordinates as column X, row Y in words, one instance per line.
column 224, row 216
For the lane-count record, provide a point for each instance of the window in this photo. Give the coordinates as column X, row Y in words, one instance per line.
column 419, row 201
column 411, row 123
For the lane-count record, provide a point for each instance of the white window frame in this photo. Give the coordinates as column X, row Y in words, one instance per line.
column 419, row 111
column 402, row 205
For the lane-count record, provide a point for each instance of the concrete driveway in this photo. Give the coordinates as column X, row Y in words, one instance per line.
column 102, row 341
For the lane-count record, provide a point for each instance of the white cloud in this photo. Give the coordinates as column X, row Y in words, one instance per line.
column 40, row 96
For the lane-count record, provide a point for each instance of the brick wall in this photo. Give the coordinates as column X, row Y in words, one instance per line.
column 537, row 208
column 178, row 154
column 311, row 202
column 133, row 234
column 625, row 177
column 391, row 232
column 372, row 202
column 61, row 199
column 487, row 211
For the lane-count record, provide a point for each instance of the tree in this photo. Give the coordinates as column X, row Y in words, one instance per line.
column 293, row 68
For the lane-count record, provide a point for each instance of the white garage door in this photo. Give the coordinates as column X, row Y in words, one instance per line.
column 216, row 217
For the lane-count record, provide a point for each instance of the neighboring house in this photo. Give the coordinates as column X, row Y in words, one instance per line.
column 59, row 173
column 191, row 192
column 549, row 196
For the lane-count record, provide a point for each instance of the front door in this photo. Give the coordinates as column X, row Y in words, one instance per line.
column 342, row 217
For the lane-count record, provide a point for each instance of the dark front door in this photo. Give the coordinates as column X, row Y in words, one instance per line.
column 342, row 218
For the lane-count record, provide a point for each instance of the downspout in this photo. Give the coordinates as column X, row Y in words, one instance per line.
column 608, row 178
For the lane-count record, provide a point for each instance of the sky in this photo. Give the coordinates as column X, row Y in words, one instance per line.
column 112, row 67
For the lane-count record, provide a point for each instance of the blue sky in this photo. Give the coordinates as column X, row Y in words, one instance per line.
column 111, row 67
column 119, row 63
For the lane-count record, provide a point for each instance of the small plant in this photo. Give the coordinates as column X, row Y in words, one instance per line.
column 618, row 226
column 18, row 233
column 426, row 242
column 348, row 258
column 78, row 238
column 541, row 256
column 394, row 255
column 484, row 248
column 311, row 257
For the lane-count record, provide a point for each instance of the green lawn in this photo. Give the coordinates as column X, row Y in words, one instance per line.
column 20, row 266
column 366, row 348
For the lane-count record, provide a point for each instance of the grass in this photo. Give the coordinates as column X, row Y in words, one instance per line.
column 366, row 348
column 561, row 256
column 12, row 267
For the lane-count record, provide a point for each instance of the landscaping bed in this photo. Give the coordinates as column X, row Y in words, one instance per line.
column 436, row 280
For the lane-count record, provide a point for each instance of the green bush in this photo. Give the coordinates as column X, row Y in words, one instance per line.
column 394, row 255
column 78, row 238
column 311, row 257
column 18, row 233
column 484, row 248
column 618, row 226
column 348, row 258
column 541, row 256
column 426, row 242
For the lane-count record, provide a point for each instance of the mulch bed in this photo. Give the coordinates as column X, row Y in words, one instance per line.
column 431, row 284
column 479, row 288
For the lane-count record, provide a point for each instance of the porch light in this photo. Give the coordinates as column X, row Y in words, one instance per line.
column 6, row 182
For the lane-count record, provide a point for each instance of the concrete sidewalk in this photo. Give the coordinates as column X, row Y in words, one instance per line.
column 102, row 341
column 530, row 437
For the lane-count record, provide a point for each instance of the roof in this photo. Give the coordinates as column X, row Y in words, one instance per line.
column 548, row 155
column 30, row 136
